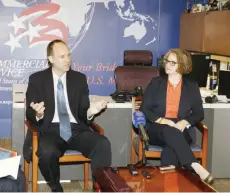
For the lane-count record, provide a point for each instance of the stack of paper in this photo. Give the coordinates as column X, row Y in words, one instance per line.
column 9, row 165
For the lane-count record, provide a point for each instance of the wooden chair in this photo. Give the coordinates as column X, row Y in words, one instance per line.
column 155, row 151
column 69, row 156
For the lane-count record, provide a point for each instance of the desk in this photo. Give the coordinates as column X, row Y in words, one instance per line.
column 179, row 180
column 116, row 122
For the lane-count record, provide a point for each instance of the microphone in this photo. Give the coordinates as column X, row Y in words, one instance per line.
column 139, row 121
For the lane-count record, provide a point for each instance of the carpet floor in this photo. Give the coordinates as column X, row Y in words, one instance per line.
column 221, row 185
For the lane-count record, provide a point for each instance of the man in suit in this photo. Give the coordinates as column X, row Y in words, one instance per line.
column 58, row 105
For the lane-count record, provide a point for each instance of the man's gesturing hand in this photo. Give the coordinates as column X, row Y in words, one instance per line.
column 39, row 109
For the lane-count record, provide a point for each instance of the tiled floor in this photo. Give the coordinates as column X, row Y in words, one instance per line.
column 221, row 185
column 76, row 186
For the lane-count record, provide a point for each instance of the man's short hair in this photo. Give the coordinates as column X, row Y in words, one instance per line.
column 50, row 48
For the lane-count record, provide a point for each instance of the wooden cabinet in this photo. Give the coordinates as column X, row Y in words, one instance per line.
column 206, row 32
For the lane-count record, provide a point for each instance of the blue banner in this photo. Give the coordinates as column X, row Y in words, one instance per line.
column 97, row 32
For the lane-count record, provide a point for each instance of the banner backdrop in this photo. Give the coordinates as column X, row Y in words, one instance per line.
column 97, row 32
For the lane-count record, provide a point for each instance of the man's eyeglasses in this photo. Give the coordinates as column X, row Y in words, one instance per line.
column 172, row 63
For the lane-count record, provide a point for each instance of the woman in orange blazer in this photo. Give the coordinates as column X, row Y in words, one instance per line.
column 172, row 104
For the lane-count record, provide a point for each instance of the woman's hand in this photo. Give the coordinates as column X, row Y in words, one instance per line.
column 167, row 122
column 181, row 125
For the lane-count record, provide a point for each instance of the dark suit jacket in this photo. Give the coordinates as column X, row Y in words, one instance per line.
column 41, row 88
column 190, row 106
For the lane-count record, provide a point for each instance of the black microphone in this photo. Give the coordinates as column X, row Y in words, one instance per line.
column 139, row 121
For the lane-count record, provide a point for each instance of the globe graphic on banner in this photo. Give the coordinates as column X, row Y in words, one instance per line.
column 71, row 20
column 75, row 16
column 73, row 41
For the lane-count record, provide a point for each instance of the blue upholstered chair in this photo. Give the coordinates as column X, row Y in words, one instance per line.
column 154, row 152
column 69, row 156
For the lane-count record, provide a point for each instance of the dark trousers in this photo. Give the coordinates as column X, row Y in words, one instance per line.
column 8, row 184
column 51, row 147
column 176, row 144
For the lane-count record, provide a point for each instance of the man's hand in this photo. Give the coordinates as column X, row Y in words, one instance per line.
column 96, row 107
column 39, row 109
column 181, row 125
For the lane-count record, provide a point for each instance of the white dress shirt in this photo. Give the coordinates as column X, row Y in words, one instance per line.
column 56, row 117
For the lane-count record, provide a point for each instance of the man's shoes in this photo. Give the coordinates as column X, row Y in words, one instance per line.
column 56, row 187
column 210, row 179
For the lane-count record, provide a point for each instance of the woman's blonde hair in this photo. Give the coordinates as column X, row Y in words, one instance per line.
column 184, row 60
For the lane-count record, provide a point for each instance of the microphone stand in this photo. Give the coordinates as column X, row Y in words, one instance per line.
column 145, row 145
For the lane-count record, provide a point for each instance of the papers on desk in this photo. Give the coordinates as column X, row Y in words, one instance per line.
column 9, row 165
column 222, row 99
column 206, row 92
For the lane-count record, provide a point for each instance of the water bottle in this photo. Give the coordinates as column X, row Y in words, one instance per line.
column 213, row 78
